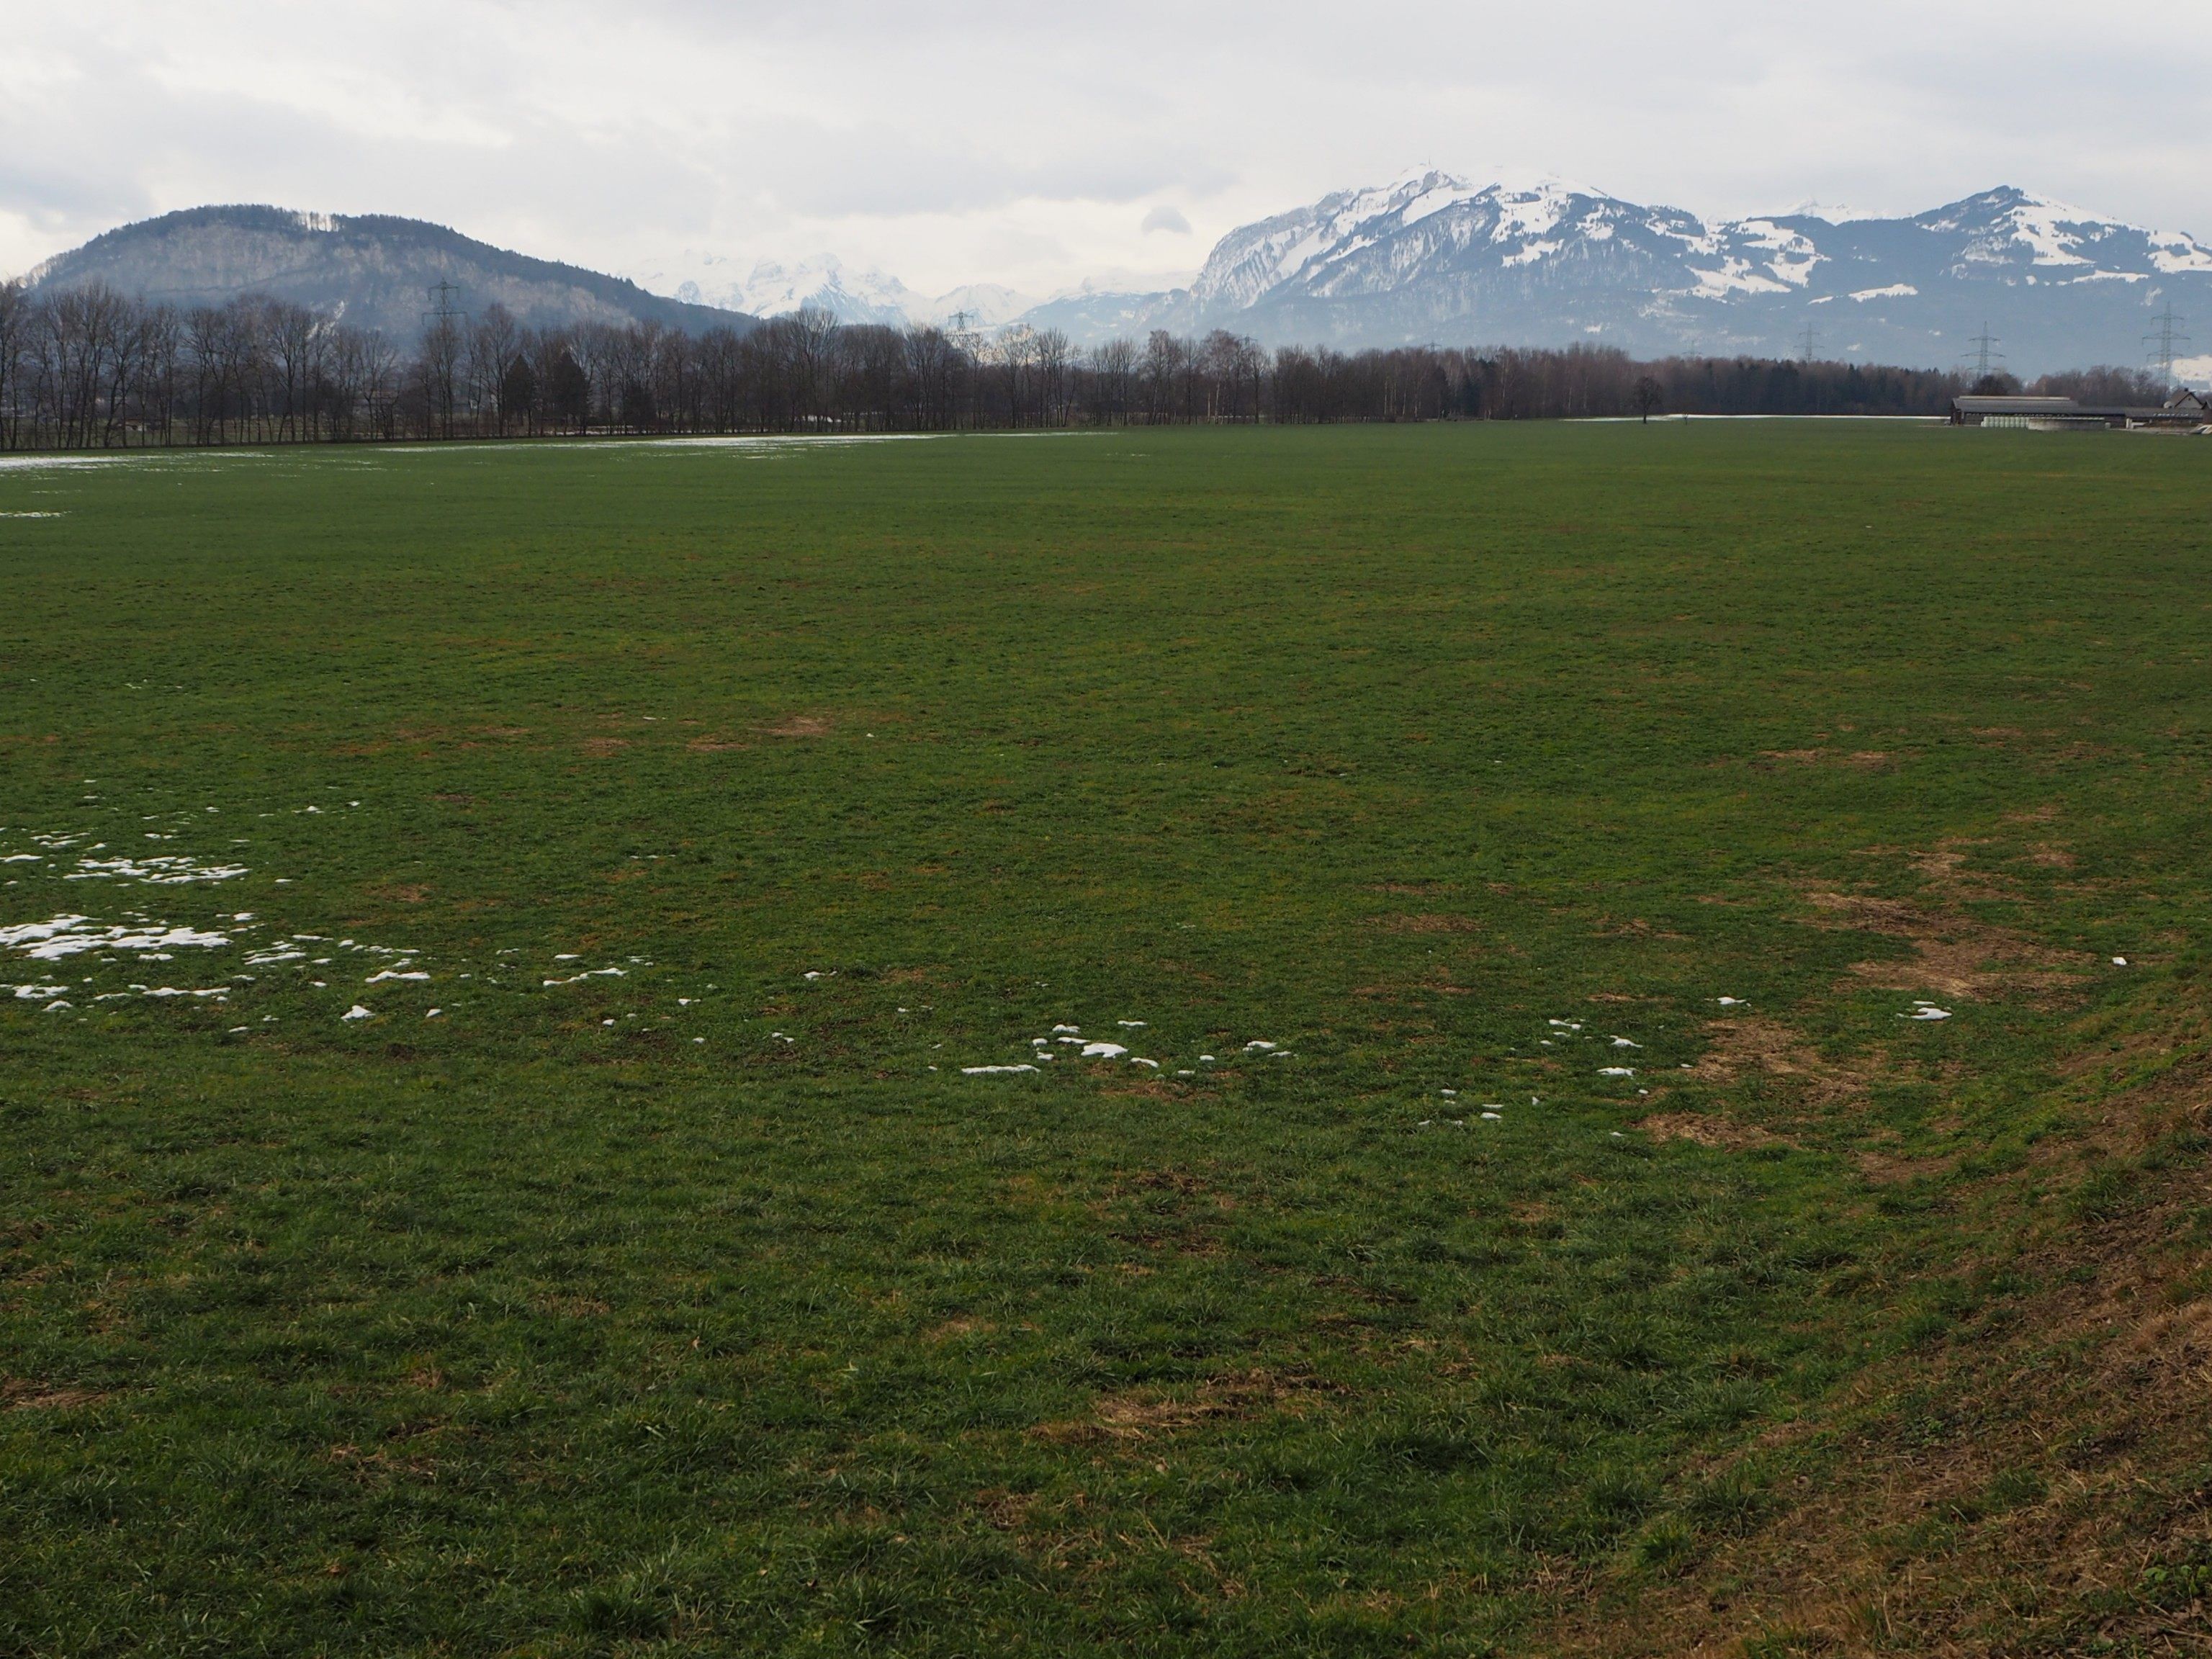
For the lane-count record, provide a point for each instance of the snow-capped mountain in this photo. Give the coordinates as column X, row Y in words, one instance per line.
column 1432, row 259
column 773, row 289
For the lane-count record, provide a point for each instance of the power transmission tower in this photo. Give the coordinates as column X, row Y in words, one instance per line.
column 2162, row 344
column 1986, row 354
column 442, row 294
column 441, row 339
column 1811, row 335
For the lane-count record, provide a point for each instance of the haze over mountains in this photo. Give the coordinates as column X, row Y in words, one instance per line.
column 1430, row 259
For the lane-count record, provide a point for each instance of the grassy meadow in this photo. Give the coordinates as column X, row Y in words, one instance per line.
column 1647, row 1145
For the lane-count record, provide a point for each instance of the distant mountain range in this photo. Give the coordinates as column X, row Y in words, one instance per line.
column 770, row 289
column 1429, row 259
column 1432, row 259
column 371, row 269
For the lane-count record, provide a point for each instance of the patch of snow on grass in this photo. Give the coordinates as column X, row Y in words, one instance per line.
column 71, row 935
column 164, row 871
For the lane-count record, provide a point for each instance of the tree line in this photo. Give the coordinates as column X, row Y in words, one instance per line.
column 90, row 367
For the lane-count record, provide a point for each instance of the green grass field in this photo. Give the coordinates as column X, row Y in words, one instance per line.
column 673, row 1286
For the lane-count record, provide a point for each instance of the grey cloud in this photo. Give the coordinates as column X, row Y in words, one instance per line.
column 1164, row 217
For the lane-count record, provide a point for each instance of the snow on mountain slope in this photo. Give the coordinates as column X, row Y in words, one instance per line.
column 1432, row 258
column 773, row 289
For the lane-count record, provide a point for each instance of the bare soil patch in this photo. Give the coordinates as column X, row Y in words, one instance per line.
column 1146, row 1414
column 1428, row 922
column 1755, row 1044
column 1955, row 956
column 19, row 1395
column 1707, row 1130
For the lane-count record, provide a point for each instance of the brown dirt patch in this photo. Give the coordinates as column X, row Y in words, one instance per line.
column 799, row 726
column 1887, row 1170
column 19, row 1395
column 1753, row 1044
column 1955, row 956
column 572, row 1307
column 1707, row 1130
column 1867, row 759
column 1148, row 1414
column 952, row 1329
column 603, row 745
column 1428, row 923
column 715, row 745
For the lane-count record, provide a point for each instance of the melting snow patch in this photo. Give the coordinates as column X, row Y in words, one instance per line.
column 2119, row 962
column 993, row 1071
column 1138, row 1059
column 392, row 973
column 167, row 871
column 1734, row 1002
column 1130, row 1024
column 1493, row 1117
column 589, row 973
column 1067, row 1031
column 357, row 1012
column 1926, row 1010
column 1616, row 1070
column 1258, row 1046
column 69, row 936
column 1623, row 1043
column 33, row 993
column 1103, row 1051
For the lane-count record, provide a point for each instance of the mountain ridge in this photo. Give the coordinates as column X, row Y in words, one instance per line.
column 372, row 270
column 1431, row 258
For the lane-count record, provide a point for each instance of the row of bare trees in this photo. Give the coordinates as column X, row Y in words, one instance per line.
column 90, row 367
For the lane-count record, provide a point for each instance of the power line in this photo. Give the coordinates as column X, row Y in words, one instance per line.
column 1986, row 354
column 2163, row 344
column 442, row 293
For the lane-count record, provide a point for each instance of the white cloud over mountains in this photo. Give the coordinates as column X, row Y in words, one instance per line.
column 1036, row 145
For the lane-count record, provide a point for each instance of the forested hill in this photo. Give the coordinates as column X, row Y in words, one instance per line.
column 372, row 270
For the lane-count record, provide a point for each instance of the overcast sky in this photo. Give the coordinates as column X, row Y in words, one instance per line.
column 1037, row 144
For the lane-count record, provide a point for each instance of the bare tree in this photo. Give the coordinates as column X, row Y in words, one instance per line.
column 15, row 320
